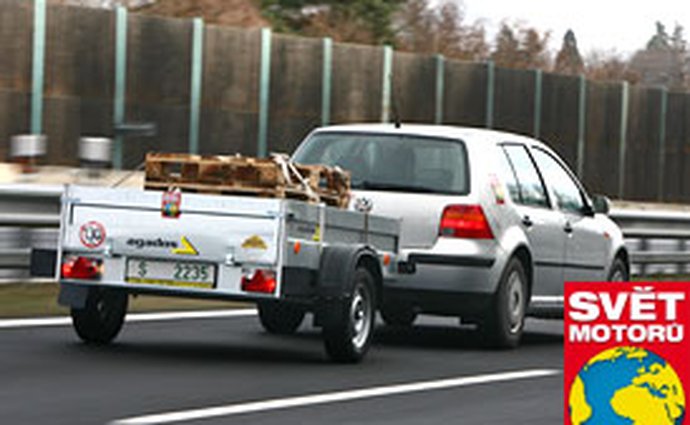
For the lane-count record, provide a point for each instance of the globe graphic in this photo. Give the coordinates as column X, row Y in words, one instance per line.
column 627, row 385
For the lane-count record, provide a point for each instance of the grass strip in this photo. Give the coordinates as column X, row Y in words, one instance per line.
column 40, row 299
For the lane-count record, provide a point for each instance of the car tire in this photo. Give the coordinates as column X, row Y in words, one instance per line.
column 503, row 325
column 348, row 327
column 280, row 319
column 101, row 319
column 398, row 316
column 618, row 272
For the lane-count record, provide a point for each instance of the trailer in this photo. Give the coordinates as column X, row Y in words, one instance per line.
column 290, row 257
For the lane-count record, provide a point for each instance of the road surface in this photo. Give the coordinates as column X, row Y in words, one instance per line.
column 225, row 370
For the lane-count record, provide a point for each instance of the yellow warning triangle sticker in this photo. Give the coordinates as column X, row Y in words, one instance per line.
column 186, row 249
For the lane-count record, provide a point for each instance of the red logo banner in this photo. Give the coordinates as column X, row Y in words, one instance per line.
column 627, row 355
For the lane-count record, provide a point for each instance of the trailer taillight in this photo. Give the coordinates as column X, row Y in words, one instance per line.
column 263, row 281
column 465, row 221
column 81, row 268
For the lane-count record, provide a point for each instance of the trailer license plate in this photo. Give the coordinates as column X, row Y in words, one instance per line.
column 171, row 273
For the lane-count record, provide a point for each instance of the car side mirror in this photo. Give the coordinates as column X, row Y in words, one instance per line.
column 601, row 204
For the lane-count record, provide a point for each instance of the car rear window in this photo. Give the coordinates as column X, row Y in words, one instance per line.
column 406, row 163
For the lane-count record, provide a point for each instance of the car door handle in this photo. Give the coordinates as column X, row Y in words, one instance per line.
column 568, row 228
column 527, row 221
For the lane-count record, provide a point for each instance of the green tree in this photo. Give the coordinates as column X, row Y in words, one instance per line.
column 568, row 59
column 664, row 61
column 373, row 17
column 660, row 40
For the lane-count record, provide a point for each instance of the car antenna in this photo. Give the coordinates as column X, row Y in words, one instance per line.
column 395, row 111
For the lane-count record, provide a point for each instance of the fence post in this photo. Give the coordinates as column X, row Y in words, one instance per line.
column 326, row 81
column 538, row 81
column 440, row 88
column 662, row 142
column 195, row 83
column 264, row 91
column 581, row 126
column 38, row 66
column 387, row 83
column 625, row 96
column 120, row 82
column 490, row 88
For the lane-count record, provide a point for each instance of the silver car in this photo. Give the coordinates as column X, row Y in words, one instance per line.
column 493, row 223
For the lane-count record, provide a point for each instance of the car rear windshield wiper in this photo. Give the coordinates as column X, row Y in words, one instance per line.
column 393, row 187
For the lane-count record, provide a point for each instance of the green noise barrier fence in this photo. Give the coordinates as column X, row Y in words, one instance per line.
column 71, row 71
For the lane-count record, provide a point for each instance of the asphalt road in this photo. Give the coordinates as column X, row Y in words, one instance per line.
column 48, row 377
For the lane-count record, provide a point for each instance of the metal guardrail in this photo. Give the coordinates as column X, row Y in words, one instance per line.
column 659, row 241
column 29, row 217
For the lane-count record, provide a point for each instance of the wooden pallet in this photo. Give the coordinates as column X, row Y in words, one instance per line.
column 237, row 175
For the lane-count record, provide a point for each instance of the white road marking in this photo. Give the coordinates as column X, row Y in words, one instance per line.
column 333, row 397
column 134, row 317
column 547, row 299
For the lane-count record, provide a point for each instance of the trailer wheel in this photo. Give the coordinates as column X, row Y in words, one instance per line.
column 101, row 319
column 349, row 329
column 281, row 319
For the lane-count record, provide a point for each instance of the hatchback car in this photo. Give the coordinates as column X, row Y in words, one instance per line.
column 492, row 223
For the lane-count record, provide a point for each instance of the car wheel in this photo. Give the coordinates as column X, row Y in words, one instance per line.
column 618, row 272
column 503, row 325
column 281, row 319
column 401, row 316
column 101, row 319
column 349, row 327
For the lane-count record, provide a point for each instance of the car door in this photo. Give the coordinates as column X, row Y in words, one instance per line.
column 542, row 224
column 585, row 250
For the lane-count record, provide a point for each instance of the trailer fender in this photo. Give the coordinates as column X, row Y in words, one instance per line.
column 338, row 264
column 335, row 284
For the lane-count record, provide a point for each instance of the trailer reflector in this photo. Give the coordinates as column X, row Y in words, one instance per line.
column 262, row 281
column 81, row 268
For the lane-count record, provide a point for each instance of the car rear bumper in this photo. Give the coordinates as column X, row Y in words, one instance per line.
column 445, row 284
column 451, row 266
column 445, row 277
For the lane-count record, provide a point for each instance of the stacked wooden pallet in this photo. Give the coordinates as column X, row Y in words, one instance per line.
column 272, row 177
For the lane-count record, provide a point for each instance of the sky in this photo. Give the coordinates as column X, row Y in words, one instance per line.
column 607, row 25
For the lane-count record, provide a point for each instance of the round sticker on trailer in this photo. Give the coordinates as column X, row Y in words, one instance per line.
column 92, row 234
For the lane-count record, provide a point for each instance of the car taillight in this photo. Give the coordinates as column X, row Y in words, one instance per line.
column 81, row 268
column 465, row 221
column 263, row 281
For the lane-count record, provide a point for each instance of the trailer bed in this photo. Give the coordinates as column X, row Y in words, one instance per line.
column 213, row 242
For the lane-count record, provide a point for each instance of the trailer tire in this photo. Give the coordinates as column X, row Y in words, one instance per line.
column 101, row 319
column 349, row 327
column 280, row 319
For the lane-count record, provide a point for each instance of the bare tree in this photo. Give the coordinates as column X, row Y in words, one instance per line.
column 104, row 4
column 609, row 66
column 519, row 47
column 441, row 29
column 415, row 27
